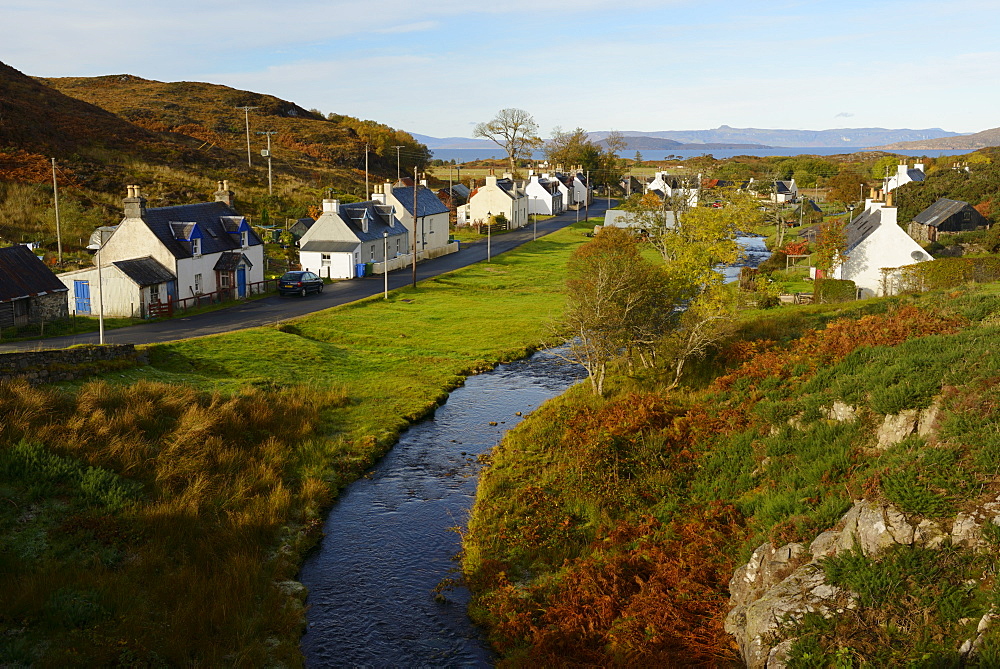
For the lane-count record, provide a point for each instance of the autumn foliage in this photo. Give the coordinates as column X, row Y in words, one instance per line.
column 652, row 595
column 645, row 582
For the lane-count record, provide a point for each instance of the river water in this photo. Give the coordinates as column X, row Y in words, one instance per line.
column 389, row 539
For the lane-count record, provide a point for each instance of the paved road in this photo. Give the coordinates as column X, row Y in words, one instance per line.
column 273, row 309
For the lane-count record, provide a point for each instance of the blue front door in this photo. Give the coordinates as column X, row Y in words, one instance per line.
column 241, row 281
column 81, row 294
column 171, row 291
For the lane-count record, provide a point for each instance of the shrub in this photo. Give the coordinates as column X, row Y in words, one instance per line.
column 829, row 291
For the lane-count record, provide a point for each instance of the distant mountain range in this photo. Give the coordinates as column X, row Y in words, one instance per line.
column 979, row 140
column 726, row 137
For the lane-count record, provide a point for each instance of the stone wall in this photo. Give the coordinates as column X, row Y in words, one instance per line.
column 68, row 364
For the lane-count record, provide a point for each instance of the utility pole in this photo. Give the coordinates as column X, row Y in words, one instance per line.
column 55, row 191
column 397, row 165
column 587, row 196
column 368, row 192
column 267, row 154
column 414, row 223
column 246, row 112
column 385, row 262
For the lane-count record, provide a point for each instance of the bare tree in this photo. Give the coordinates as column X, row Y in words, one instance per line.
column 513, row 130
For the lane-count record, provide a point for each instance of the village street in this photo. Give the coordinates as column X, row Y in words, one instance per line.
column 274, row 309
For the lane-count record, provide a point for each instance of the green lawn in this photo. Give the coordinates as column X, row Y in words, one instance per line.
column 393, row 357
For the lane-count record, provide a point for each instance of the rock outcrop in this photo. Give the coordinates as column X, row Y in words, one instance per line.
column 780, row 585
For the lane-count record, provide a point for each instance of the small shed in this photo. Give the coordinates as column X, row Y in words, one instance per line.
column 29, row 291
column 128, row 287
column 945, row 216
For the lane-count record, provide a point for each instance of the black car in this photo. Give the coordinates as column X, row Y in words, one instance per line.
column 299, row 283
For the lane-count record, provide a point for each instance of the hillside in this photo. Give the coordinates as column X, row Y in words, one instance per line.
column 980, row 140
column 174, row 139
column 836, row 137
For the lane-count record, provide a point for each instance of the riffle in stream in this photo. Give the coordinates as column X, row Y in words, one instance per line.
column 390, row 539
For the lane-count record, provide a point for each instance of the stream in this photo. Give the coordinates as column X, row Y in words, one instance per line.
column 390, row 539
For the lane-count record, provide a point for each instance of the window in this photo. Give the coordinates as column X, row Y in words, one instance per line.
column 225, row 279
column 325, row 260
column 154, row 293
column 373, row 252
column 196, row 247
column 197, row 284
column 397, row 245
column 245, row 238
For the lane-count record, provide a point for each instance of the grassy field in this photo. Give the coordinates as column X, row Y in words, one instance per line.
column 157, row 516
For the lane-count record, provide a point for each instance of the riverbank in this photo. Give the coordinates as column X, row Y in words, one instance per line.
column 215, row 463
column 606, row 530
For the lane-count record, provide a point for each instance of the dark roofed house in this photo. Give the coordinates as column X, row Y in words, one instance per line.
column 29, row 291
column 430, row 226
column 943, row 217
column 198, row 249
column 301, row 227
column 348, row 235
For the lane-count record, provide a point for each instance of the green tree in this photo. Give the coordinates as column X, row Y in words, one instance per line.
column 884, row 167
column 616, row 301
column 513, row 130
column 831, row 245
column 569, row 148
column 850, row 184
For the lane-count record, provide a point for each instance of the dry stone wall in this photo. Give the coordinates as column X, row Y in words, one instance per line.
column 68, row 364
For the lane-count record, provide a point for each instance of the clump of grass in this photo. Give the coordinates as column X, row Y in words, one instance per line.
column 912, row 604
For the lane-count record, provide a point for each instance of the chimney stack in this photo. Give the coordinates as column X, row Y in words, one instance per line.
column 134, row 203
column 332, row 206
column 224, row 195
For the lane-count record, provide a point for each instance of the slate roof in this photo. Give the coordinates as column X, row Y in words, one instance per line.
column 216, row 220
column 939, row 212
column 915, row 175
column 428, row 203
column 23, row 274
column 380, row 218
column 229, row 260
column 862, row 226
column 145, row 271
column 783, row 187
column 324, row 246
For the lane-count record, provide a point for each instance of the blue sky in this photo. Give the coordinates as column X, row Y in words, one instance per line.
column 437, row 67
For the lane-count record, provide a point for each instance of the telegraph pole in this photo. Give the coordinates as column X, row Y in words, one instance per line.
column 397, row 165
column 55, row 191
column 246, row 112
column 368, row 192
column 414, row 222
column 268, row 155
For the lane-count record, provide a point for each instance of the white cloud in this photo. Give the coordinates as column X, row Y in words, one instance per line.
column 409, row 28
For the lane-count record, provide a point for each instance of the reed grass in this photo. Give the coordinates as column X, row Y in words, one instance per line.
column 150, row 518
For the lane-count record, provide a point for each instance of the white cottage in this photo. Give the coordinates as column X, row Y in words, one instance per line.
column 498, row 196
column 904, row 175
column 670, row 186
column 159, row 255
column 348, row 235
column 544, row 195
column 875, row 243
column 430, row 225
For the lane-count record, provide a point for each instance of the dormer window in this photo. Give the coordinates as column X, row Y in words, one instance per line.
column 245, row 239
column 196, row 247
